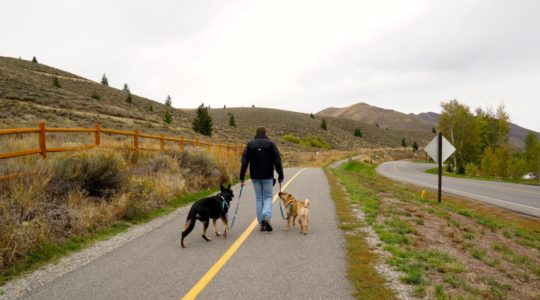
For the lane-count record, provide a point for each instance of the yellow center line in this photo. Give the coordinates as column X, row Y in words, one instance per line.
column 212, row 272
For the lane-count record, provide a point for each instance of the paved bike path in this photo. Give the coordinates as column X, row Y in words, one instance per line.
column 276, row 265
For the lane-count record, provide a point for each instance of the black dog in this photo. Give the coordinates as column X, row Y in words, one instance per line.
column 209, row 208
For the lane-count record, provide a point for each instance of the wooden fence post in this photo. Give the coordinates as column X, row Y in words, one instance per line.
column 97, row 135
column 161, row 143
column 181, row 143
column 136, row 139
column 42, row 141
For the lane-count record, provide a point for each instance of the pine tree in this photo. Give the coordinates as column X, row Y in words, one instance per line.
column 323, row 124
column 224, row 106
column 415, row 146
column 433, row 130
column 104, row 80
column 128, row 98
column 56, row 82
column 167, row 117
column 203, row 121
column 403, row 143
column 126, row 88
column 151, row 108
column 34, row 60
column 312, row 116
column 358, row 132
column 232, row 121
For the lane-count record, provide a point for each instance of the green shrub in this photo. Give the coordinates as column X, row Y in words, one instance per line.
column 95, row 95
column 471, row 169
column 315, row 142
column 56, row 82
column 291, row 137
column 97, row 174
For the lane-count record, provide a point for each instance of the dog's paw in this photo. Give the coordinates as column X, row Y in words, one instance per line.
column 225, row 233
column 206, row 238
column 218, row 233
column 286, row 228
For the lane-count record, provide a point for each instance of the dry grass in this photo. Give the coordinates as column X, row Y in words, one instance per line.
column 78, row 194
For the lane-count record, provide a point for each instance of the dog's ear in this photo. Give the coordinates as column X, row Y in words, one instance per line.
column 229, row 187
column 222, row 187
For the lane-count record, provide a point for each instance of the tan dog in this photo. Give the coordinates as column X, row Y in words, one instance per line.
column 296, row 209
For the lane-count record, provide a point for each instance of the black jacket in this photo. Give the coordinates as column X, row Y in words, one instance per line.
column 262, row 155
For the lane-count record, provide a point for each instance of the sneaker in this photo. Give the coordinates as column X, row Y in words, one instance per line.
column 266, row 225
column 263, row 228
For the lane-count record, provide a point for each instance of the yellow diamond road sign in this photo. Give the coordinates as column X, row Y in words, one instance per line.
column 447, row 149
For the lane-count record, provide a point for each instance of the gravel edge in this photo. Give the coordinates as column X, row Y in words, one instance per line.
column 28, row 283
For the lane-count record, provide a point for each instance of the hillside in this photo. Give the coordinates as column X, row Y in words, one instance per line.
column 374, row 115
column 393, row 119
column 27, row 96
column 516, row 136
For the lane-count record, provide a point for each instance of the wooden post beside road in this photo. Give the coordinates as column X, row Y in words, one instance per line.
column 161, row 143
column 439, row 155
column 136, row 140
column 97, row 135
column 42, row 141
column 181, row 143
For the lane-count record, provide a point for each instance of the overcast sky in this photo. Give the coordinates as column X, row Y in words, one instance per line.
column 296, row 55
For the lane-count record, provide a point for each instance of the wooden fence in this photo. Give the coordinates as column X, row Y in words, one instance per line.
column 41, row 130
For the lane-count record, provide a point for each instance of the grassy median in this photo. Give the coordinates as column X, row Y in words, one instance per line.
column 367, row 283
column 461, row 249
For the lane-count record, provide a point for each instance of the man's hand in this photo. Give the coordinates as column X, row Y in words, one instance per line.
column 280, row 179
column 242, row 183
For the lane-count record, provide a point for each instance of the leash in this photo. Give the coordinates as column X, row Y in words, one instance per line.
column 281, row 205
column 237, row 205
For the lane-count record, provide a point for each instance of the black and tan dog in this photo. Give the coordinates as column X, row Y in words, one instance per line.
column 210, row 208
column 296, row 209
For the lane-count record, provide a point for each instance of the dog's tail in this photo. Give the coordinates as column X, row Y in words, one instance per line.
column 190, row 224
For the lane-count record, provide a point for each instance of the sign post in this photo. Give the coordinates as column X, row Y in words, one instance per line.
column 439, row 158
column 439, row 149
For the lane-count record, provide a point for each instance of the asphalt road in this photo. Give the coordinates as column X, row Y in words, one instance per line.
column 516, row 197
column 277, row 265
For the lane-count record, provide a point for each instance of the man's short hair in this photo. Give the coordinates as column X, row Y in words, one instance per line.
column 261, row 130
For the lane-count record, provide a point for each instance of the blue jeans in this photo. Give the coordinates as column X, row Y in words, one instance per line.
column 263, row 194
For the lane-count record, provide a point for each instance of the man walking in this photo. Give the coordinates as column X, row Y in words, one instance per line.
column 262, row 155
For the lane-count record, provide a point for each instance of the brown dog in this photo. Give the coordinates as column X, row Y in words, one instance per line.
column 296, row 209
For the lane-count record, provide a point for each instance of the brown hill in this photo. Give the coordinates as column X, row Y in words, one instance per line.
column 27, row 96
column 374, row 115
column 393, row 119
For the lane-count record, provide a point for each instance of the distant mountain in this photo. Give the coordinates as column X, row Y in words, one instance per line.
column 516, row 136
column 386, row 118
column 369, row 114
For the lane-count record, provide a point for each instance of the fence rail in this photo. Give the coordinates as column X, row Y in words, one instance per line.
column 42, row 130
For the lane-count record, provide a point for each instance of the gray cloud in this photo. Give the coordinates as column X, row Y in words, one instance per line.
column 301, row 55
